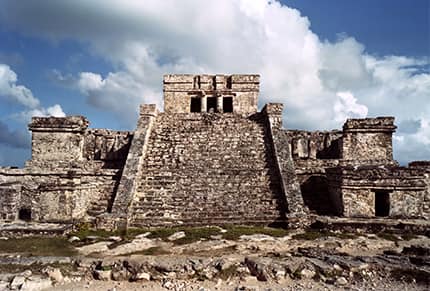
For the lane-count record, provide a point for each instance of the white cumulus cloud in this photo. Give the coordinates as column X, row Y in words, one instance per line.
column 347, row 106
column 13, row 92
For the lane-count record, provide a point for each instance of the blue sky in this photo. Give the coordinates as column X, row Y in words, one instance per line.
column 325, row 60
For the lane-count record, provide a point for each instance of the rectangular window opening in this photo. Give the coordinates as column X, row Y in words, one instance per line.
column 211, row 104
column 24, row 214
column 227, row 104
column 382, row 203
column 196, row 105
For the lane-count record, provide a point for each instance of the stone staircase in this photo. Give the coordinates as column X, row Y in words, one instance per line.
column 208, row 169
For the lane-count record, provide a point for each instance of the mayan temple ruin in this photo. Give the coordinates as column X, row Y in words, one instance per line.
column 211, row 158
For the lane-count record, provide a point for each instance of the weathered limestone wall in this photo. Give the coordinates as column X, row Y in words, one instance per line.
column 424, row 168
column 69, row 176
column 179, row 89
column 368, row 140
column 358, row 186
column 107, row 146
column 63, row 195
column 311, row 145
column 313, row 152
column 57, row 138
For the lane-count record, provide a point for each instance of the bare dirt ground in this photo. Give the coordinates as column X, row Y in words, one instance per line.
column 214, row 258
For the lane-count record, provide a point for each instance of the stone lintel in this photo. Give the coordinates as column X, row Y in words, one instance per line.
column 378, row 124
column 59, row 124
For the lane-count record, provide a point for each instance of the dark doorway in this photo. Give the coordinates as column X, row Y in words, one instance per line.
column 227, row 104
column 24, row 214
column 382, row 203
column 211, row 104
column 316, row 196
column 196, row 105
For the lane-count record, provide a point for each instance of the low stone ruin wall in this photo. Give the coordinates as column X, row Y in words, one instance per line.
column 60, row 196
column 356, row 191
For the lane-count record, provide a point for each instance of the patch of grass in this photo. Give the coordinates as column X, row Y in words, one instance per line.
column 234, row 232
column 38, row 246
column 314, row 234
column 83, row 233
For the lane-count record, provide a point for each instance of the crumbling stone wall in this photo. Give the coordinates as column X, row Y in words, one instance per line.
column 313, row 152
column 73, row 174
column 57, row 138
column 52, row 196
column 357, row 187
column 107, row 146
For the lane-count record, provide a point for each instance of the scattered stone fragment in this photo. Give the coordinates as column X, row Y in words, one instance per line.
column 103, row 275
column 36, row 283
column 142, row 276
column 73, row 239
column 17, row 282
column 306, row 273
column 176, row 236
column 97, row 247
column 54, row 274
column 341, row 281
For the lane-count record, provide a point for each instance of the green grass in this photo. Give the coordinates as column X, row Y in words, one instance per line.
column 192, row 234
column 38, row 246
column 85, row 232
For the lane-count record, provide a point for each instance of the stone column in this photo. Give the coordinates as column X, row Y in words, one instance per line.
column 204, row 103
column 219, row 105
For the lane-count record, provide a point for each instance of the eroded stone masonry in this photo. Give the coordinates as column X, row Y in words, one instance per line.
column 211, row 158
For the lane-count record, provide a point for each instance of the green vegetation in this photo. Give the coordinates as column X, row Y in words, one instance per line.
column 38, row 246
